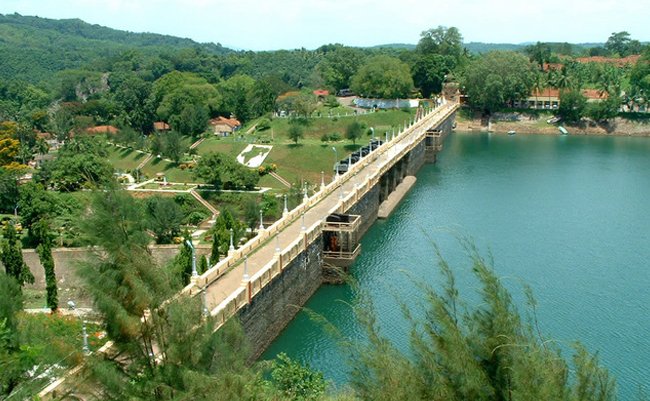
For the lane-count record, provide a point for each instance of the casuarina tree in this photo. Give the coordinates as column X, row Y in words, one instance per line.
column 12, row 258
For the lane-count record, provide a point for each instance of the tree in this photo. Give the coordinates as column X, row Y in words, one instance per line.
column 640, row 75
column 224, row 172
column 124, row 283
column 297, row 382
column 164, row 218
column 183, row 261
column 44, row 250
column 339, row 65
column 8, row 190
column 496, row 79
column 12, row 366
column 81, row 164
column 429, row 73
column 9, row 144
column 296, row 132
column 605, row 109
column 178, row 92
column 214, row 250
column 252, row 213
column 238, row 92
column 166, row 352
column 540, row 53
column 442, row 41
column 354, row 131
column 478, row 350
column 202, row 266
column 383, row 77
column 36, row 204
column 12, row 258
column 620, row 43
column 172, row 146
column 134, row 101
column 262, row 99
column 302, row 104
column 221, row 233
column 572, row 105
column 563, row 79
column 192, row 120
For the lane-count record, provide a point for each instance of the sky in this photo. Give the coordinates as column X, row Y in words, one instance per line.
column 291, row 24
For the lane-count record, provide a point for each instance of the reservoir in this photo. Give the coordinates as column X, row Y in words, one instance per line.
column 570, row 216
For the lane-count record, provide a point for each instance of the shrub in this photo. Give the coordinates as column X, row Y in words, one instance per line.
column 196, row 217
column 331, row 102
column 263, row 124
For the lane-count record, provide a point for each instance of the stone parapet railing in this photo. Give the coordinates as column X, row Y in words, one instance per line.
column 391, row 152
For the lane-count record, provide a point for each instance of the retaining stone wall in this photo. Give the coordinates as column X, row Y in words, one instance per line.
column 279, row 301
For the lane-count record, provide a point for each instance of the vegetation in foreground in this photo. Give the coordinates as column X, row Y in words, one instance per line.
column 45, row 97
column 483, row 350
column 165, row 351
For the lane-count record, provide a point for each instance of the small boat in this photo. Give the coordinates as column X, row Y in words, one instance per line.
column 512, row 132
column 563, row 130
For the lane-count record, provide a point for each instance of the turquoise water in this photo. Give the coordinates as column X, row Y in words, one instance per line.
column 568, row 215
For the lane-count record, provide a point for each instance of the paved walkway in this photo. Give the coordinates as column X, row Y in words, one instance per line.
column 228, row 283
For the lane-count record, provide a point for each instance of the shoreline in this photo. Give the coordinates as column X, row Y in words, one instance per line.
column 617, row 127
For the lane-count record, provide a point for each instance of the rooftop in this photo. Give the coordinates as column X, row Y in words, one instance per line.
column 231, row 122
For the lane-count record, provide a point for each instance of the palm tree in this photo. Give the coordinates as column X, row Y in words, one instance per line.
column 41, row 147
column 608, row 81
column 538, row 84
column 563, row 80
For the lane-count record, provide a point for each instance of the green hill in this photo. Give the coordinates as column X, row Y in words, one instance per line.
column 480, row 47
column 33, row 48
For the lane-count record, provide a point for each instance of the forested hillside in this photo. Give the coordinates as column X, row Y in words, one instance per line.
column 33, row 48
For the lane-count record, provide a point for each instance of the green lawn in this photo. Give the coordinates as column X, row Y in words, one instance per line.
column 342, row 110
column 306, row 160
column 303, row 161
column 171, row 170
column 228, row 145
column 381, row 121
column 124, row 159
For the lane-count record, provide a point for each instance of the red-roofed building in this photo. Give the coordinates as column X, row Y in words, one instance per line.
column 102, row 129
column 619, row 62
column 161, row 126
column 552, row 66
column 321, row 92
column 224, row 126
column 549, row 98
column 594, row 95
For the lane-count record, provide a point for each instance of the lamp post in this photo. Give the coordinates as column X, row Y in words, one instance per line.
column 194, row 272
column 246, row 276
column 322, row 180
column 261, row 220
column 204, row 303
column 305, row 198
column 336, row 162
column 231, row 248
column 84, row 348
column 277, row 244
column 303, row 227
